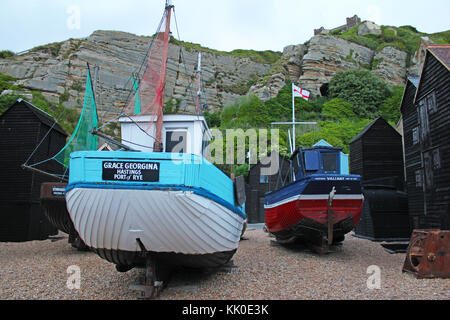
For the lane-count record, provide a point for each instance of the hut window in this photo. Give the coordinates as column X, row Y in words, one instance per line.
column 427, row 157
column 263, row 179
column 431, row 102
column 415, row 135
column 418, row 178
column 436, row 159
column 423, row 119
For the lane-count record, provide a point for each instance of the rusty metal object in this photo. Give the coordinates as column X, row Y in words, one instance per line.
column 428, row 254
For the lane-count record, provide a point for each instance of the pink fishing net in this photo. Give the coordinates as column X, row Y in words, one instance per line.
column 152, row 84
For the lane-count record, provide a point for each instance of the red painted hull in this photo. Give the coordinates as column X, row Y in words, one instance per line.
column 286, row 215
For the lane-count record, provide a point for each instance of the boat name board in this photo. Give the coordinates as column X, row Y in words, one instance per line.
column 336, row 178
column 56, row 191
column 130, row 171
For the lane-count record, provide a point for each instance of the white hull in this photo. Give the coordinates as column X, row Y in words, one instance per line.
column 164, row 221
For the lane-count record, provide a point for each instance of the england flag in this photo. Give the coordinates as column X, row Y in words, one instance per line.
column 299, row 92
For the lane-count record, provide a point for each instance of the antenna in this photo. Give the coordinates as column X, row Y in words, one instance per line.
column 169, row 3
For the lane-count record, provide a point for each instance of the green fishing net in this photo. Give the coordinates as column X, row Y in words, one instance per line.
column 137, row 102
column 81, row 139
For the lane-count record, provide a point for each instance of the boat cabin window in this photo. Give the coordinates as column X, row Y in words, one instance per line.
column 330, row 162
column 176, row 141
column 321, row 162
column 312, row 161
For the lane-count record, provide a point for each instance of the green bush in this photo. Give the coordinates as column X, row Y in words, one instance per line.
column 338, row 134
column 6, row 101
column 68, row 118
column 338, row 109
column 172, row 107
column 64, row 96
column 361, row 88
column 213, row 119
column 441, row 37
column 5, row 82
column 6, row 54
column 390, row 109
column 409, row 28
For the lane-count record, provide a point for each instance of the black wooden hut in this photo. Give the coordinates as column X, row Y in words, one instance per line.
column 259, row 184
column 426, row 121
column 376, row 154
column 22, row 128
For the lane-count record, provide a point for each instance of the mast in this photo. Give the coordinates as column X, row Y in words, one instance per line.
column 158, row 146
column 293, row 119
column 199, row 75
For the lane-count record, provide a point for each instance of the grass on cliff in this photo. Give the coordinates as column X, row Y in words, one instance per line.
column 5, row 54
column 68, row 118
column 266, row 57
column 52, row 48
column 7, row 83
column 405, row 38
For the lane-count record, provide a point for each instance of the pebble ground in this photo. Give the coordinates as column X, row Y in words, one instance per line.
column 262, row 271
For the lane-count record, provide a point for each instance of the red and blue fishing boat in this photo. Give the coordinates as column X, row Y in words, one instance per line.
column 320, row 204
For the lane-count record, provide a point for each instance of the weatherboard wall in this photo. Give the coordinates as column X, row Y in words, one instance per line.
column 21, row 129
column 413, row 160
column 377, row 152
column 428, row 154
column 258, row 186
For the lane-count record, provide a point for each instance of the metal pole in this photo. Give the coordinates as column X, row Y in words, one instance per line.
column 94, row 89
column 43, row 173
column 290, row 141
column 199, row 74
column 293, row 118
column 330, row 216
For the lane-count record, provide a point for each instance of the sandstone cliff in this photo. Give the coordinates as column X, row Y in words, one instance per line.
column 118, row 54
column 59, row 70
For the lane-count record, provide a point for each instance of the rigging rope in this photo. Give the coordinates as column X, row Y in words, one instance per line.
column 182, row 56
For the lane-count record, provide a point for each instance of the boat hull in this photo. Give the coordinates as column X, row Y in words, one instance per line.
column 300, row 210
column 176, row 206
column 53, row 205
column 184, row 228
column 132, row 259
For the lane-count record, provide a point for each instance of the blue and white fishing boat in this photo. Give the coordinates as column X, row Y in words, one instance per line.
column 160, row 201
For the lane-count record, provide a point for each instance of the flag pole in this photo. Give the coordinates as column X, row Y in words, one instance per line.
column 293, row 118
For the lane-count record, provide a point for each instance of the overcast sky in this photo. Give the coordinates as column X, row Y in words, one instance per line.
column 222, row 25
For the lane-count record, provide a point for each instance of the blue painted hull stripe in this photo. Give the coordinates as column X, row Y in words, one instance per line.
column 197, row 191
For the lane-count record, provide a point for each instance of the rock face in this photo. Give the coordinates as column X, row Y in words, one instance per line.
column 59, row 70
column 118, row 55
column 368, row 27
column 293, row 60
column 390, row 65
column 326, row 55
column 269, row 89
